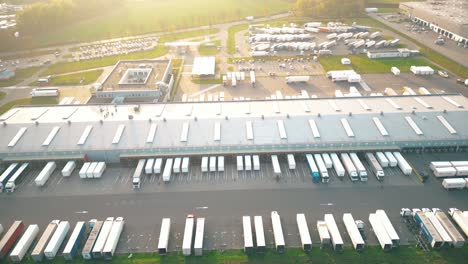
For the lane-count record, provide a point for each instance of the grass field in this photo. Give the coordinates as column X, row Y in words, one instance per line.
column 362, row 64
column 20, row 75
column 371, row 255
column 28, row 101
column 188, row 34
column 29, row 54
column 88, row 77
column 145, row 16
column 231, row 41
column 2, row 95
column 209, row 50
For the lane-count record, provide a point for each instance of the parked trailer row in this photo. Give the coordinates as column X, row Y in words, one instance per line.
column 12, row 182
column 10, row 238
column 387, row 225
column 380, row 232
column 164, row 236
column 457, row 239
column 349, row 166
column 38, row 252
column 278, row 232
column 57, row 239
column 429, row 231
column 359, row 167
column 337, row 241
column 259, row 233
column 353, row 232
column 460, row 219
column 24, row 243
column 87, row 252
column 74, row 241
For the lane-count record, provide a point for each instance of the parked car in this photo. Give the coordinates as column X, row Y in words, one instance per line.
column 443, row 74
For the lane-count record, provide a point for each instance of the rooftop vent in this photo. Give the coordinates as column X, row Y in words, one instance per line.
column 4, row 124
column 195, row 118
column 413, row 112
column 381, row 113
column 226, row 117
column 69, row 122
column 150, row 120
column 130, row 117
column 36, row 123
column 350, row 114
column 164, row 119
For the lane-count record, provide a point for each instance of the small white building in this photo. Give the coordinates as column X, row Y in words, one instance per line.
column 204, row 67
column 398, row 53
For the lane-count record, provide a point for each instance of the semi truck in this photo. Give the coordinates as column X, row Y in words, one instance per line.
column 277, row 232
column 375, row 166
column 10, row 237
column 323, row 233
column 460, row 219
column 454, row 183
column 314, row 172
column 7, row 174
column 44, row 175
column 380, row 232
column 349, row 166
column 74, row 242
column 136, row 179
column 10, row 186
column 322, row 168
column 98, row 247
column 68, row 168
column 57, row 239
column 276, row 166
column 392, row 161
column 259, row 233
column 291, row 162
column 360, row 168
column 37, row 253
column 164, row 236
column 188, row 235
column 167, row 170
column 24, row 243
column 337, row 241
column 353, row 232
column 248, row 237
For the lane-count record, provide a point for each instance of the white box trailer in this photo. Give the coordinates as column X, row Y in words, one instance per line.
column 382, row 216
column 444, row 172
column 68, row 169
column 99, row 170
column 375, row 166
column 164, row 236
column 380, row 232
column 276, row 166
column 44, row 175
column 291, row 162
column 24, row 243
column 212, row 166
column 188, row 234
column 91, row 168
column 248, row 162
column 278, row 232
column 382, row 159
column 185, row 164
column 349, row 166
column 294, row 79
column 323, row 233
column 461, row 171
column 353, row 232
column 37, row 253
column 459, row 163
column 204, row 164
column 71, row 247
column 113, row 238
column 392, row 161
column 136, row 178
column 91, row 241
column 84, row 169
column 304, row 234
column 460, row 219
column 157, row 165
column 149, row 166
column 102, row 238
column 167, row 170
column 256, row 162
column 440, row 164
column 221, row 163
column 395, row 71
column 199, row 234
column 403, row 164
column 359, row 166
column 259, row 233
column 240, row 163
column 339, row 169
column 327, row 160
column 322, row 168
column 337, row 241
column 454, row 183
column 176, row 165
column 457, row 239
column 423, row 91
column 57, row 240
column 248, row 237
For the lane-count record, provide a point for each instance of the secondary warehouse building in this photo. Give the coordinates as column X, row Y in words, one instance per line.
column 446, row 17
column 111, row 133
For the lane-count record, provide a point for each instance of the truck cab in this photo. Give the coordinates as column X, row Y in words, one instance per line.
column 10, row 186
column 414, row 211
column 136, row 183
column 404, row 212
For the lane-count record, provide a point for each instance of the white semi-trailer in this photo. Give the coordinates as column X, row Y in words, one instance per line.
column 56, row 240
column 337, row 241
column 68, row 169
column 157, row 165
column 382, row 216
column 339, row 169
column 382, row 159
column 204, row 164
column 164, row 236
column 256, row 162
column 167, row 170
column 24, row 243
column 188, row 235
column 185, row 164
column 380, row 232
column 392, row 161
column 113, row 238
column 278, row 232
column 375, row 166
column 248, row 162
column 322, row 168
column 259, row 233
column 248, row 238
column 454, row 183
column 276, row 166
column 460, row 219
column 220, row 163
column 349, row 166
column 327, row 160
column 212, row 166
column 149, row 166
column 240, row 163
column 403, row 164
column 304, row 234
column 291, row 162
column 360, row 168
column 457, row 239
column 353, row 232
column 136, row 178
column 44, row 175
column 98, row 247
column 199, row 234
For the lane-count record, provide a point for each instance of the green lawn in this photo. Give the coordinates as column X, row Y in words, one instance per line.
column 29, row 54
column 88, row 77
column 231, row 41
column 362, row 64
column 371, row 255
column 209, row 50
column 188, row 34
column 64, row 67
column 145, row 16
column 208, row 81
column 28, row 101
column 20, row 75
column 2, row 95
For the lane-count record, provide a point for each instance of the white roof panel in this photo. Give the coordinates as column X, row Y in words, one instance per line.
column 390, row 101
column 204, row 66
column 118, row 134
column 314, row 128
column 446, row 124
column 281, row 129
column 217, row 131
column 17, row 137
column 249, row 130
column 413, row 125
column 85, row 135
column 380, row 126
column 51, row 136
column 151, row 133
column 347, row 127
column 184, row 134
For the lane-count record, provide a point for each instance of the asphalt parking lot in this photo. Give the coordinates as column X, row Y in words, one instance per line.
column 223, row 198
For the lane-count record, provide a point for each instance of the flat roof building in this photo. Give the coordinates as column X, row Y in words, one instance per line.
column 446, row 17
column 204, row 66
column 137, row 78
column 112, row 132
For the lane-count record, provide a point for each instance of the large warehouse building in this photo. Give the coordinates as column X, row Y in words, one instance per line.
column 115, row 132
column 446, row 17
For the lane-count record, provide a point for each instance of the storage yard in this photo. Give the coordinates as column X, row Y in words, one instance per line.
column 291, row 143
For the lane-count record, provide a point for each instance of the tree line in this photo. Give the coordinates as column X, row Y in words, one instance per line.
column 329, row 8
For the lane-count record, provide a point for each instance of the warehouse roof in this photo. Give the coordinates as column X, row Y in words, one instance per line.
column 453, row 9
column 204, row 66
column 337, row 121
